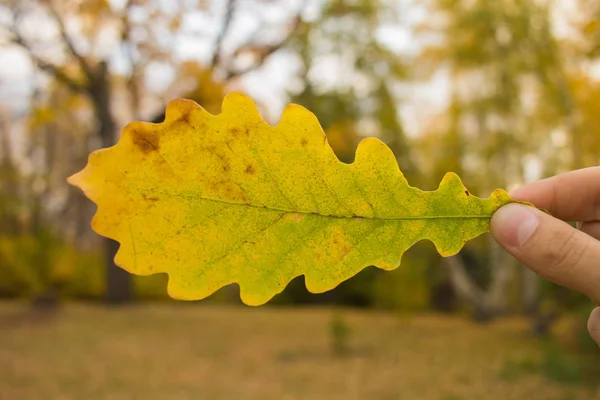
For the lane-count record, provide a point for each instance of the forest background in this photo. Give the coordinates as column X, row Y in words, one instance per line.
column 501, row 92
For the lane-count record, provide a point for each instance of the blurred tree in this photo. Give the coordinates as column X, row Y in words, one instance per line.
column 585, row 84
column 504, row 65
column 29, row 250
column 9, row 204
column 347, row 77
column 522, row 103
column 103, row 52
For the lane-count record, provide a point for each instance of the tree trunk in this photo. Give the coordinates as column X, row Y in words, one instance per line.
column 485, row 304
column 530, row 295
column 502, row 267
column 462, row 282
column 119, row 288
column 119, row 285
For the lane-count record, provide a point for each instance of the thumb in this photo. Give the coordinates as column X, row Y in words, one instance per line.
column 594, row 325
column 550, row 247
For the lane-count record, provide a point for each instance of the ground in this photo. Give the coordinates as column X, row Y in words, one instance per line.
column 197, row 351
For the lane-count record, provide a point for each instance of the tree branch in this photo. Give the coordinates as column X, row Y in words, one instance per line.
column 49, row 67
column 132, row 84
column 266, row 51
column 6, row 148
column 229, row 11
column 462, row 283
column 43, row 65
column 69, row 43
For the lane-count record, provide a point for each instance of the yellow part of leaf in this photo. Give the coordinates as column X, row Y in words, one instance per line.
column 213, row 200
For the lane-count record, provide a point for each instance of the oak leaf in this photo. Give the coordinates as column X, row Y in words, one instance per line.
column 213, row 200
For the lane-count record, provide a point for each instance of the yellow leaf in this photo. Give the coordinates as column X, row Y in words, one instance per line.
column 592, row 27
column 213, row 200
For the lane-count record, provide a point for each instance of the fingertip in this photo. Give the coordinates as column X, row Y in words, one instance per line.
column 514, row 193
column 594, row 325
column 526, row 192
column 513, row 225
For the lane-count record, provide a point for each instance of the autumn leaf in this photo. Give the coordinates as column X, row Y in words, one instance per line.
column 213, row 200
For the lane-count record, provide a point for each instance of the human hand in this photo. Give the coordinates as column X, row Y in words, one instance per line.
column 550, row 247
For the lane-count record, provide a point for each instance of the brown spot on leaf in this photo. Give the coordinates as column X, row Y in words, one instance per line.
column 304, row 142
column 149, row 198
column 250, row 169
column 226, row 168
column 247, row 131
column 218, row 184
column 234, row 130
column 185, row 117
column 467, row 193
column 145, row 140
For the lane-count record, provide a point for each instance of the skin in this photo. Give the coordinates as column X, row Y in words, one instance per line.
column 551, row 247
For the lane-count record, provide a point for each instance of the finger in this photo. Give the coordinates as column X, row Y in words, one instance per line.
column 594, row 325
column 573, row 196
column 550, row 247
column 591, row 228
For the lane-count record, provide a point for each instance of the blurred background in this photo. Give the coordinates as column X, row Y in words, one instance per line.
column 501, row 92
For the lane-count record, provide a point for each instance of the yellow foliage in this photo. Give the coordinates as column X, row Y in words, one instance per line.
column 342, row 138
column 34, row 262
column 207, row 91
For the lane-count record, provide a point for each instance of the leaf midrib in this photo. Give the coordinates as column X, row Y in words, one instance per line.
column 276, row 209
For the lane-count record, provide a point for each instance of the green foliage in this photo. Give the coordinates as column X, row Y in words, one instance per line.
column 33, row 264
column 555, row 365
column 407, row 288
column 85, row 279
column 560, row 367
column 340, row 332
column 569, row 356
column 583, row 349
column 514, row 370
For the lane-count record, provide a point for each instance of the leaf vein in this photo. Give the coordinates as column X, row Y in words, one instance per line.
column 241, row 242
column 391, row 218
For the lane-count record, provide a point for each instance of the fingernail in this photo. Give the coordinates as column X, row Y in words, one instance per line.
column 515, row 192
column 513, row 224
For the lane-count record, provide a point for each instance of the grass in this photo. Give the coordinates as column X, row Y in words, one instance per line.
column 195, row 351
